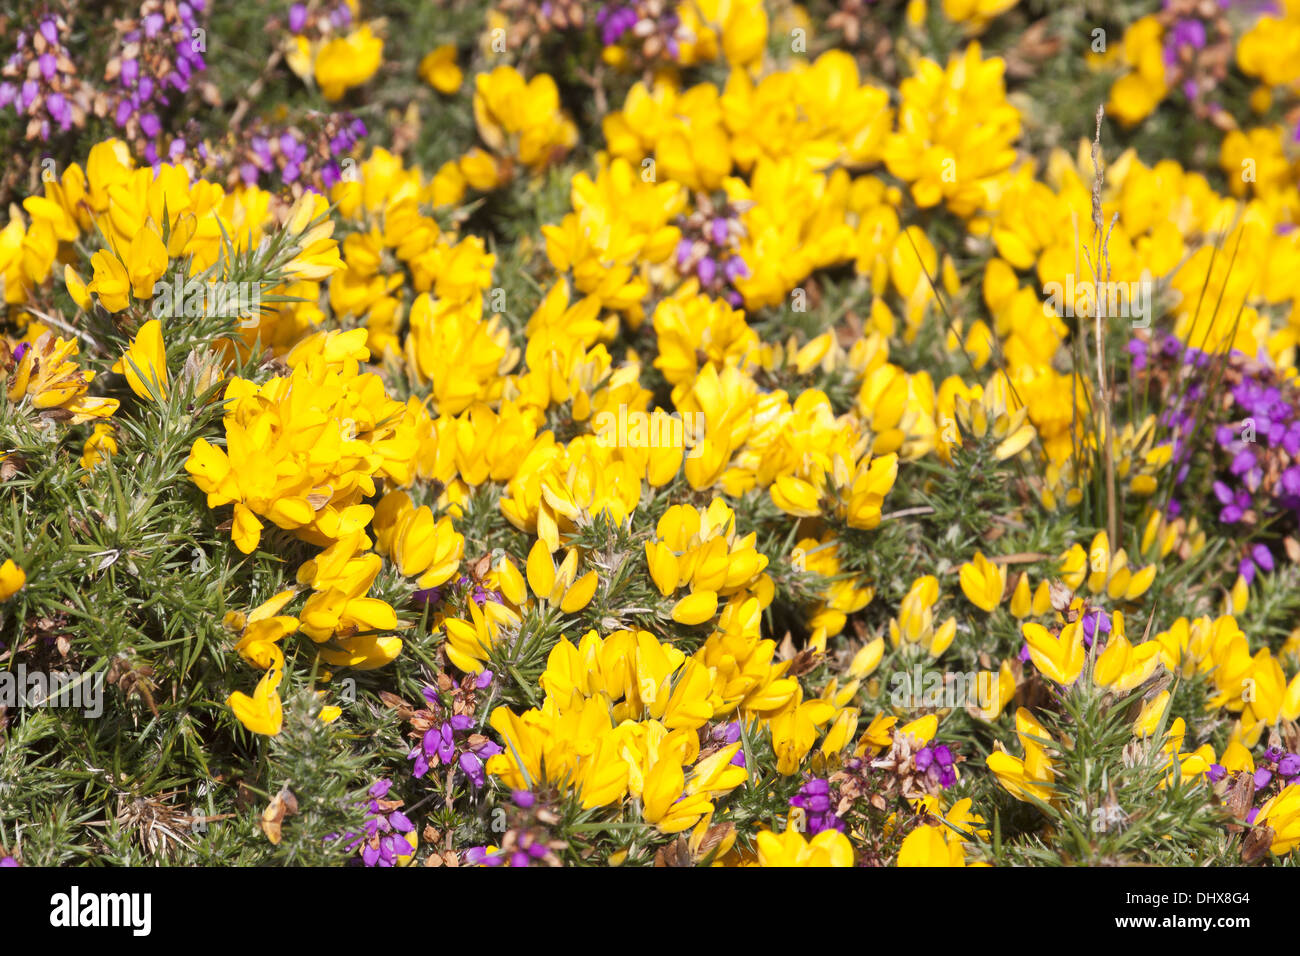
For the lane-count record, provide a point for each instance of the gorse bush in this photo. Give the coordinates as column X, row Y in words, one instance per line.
column 650, row 433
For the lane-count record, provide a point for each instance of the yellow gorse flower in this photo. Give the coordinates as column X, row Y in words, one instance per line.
column 12, row 579
column 983, row 582
column 1032, row 775
column 261, row 713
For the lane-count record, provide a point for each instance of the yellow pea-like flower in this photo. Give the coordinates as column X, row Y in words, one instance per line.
column 262, row 713
column 1060, row 657
column 145, row 362
column 12, row 579
column 983, row 582
column 664, row 566
column 696, row 608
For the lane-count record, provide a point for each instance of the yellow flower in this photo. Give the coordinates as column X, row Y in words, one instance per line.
column 261, row 629
column 12, row 579
column 145, row 362
column 559, row 587
column 1032, row 775
column 696, row 608
column 1121, row 666
column 526, row 115
column 1282, row 813
column 928, row 846
column 828, row 848
column 427, row 549
column 146, row 261
column 111, row 282
column 345, row 62
column 98, row 446
column 440, row 71
column 262, row 713
column 1152, row 713
column 48, row 377
column 1059, row 657
column 983, row 582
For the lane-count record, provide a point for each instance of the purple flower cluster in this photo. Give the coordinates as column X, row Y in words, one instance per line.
column 383, row 841
column 1275, row 766
column 709, row 250
column 520, row 847
column 1187, row 35
column 162, row 50
column 528, row 851
column 1277, row 762
column 302, row 21
column 615, row 20
column 936, row 762
column 1199, row 43
column 41, row 82
column 640, row 21
column 1256, row 464
column 453, row 742
column 313, row 158
column 814, row 799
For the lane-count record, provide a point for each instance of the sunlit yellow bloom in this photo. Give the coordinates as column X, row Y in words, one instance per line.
column 983, row 582
column 145, row 363
column 12, row 579
column 828, row 848
column 262, row 713
column 440, row 71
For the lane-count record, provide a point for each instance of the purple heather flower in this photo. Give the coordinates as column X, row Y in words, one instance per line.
column 937, row 763
column 683, row 253
column 441, row 742
column 382, row 832
column 1262, row 557
column 1094, row 623
column 1262, row 778
column 814, row 798
column 59, row 110
column 1216, row 772
column 297, row 17
column 6, row 862
column 719, row 231
column 1289, row 766
column 707, row 270
column 735, row 268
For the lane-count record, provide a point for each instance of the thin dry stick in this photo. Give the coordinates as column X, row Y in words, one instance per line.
column 1101, row 238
